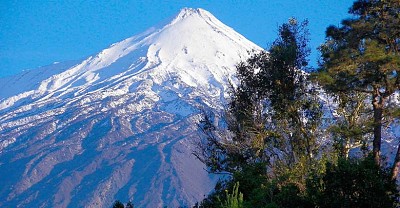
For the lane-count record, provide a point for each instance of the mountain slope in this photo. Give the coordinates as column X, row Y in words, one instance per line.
column 119, row 124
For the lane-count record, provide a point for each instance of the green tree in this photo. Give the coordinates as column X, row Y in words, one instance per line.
column 364, row 56
column 274, row 119
column 274, row 112
column 273, row 122
column 353, row 183
column 295, row 113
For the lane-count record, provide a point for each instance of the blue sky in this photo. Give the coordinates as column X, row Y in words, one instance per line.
column 39, row 32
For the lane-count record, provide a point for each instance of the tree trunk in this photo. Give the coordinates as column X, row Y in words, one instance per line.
column 378, row 103
column 396, row 164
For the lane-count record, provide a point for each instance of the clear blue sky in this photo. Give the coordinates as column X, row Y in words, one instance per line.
column 35, row 33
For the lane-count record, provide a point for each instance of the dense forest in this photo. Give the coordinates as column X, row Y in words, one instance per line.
column 294, row 136
column 296, row 139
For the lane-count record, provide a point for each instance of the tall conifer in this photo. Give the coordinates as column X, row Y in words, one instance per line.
column 363, row 55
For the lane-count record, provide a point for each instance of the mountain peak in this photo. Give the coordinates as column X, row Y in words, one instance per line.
column 190, row 11
column 186, row 13
column 193, row 38
column 131, row 106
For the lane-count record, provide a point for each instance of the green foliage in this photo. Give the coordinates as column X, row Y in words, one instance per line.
column 274, row 108
column 234, row 199
column 273, row 115
column 363, row 56
column 352, row 126
column 348, row 183
column 258, row 190
column 353, row 183
column 275, row 119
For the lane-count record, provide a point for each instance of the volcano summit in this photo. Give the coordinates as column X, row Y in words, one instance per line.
column 119, row 124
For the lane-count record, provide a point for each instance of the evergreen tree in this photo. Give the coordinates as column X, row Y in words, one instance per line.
column 364, row 56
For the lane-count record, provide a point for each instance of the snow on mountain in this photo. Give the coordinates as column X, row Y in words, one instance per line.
column 120, row 124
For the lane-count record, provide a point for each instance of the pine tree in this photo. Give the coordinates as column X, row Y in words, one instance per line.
column 364, row 56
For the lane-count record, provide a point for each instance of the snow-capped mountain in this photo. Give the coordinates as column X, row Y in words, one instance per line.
column 119, row 124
